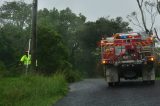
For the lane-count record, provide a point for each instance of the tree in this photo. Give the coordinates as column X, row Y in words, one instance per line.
column 147, row 9
column 15, row 22
column 140, row 5
column 69, row 26
column 7, row 52
column 16, row 17
column 66, row 24
column 16, row 13
column 158, row 6
column 52, row 54
column 107, row 27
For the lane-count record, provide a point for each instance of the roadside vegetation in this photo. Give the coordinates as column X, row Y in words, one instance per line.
column 32, row 90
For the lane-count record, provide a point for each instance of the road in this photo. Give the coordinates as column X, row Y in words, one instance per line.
column 94, row 92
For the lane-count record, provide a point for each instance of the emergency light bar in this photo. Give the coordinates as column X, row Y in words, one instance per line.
column 123, row 37
column 127, row 36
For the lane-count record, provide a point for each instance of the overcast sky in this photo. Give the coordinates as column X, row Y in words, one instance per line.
column 92, row 9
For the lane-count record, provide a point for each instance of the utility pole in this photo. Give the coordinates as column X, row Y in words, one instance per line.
column 34, row 35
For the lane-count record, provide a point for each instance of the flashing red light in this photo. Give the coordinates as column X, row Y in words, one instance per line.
column 129, row 36
column 137, row 37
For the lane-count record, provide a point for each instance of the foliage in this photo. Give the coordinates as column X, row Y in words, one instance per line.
column 72, row 75
column 2, row 69
column 15, row 22
column 51, row 51
column 65, row 24
column 65, row 40
column 16, row 13
column 32, row 90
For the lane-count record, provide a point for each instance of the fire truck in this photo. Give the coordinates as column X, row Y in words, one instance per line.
column 128, row 56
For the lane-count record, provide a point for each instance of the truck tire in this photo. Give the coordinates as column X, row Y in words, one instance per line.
column 112, row 76
column 148, row 75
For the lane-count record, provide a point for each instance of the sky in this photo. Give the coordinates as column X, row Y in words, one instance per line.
column 92, row 9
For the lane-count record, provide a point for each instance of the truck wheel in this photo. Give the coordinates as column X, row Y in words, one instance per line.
column 148, row 75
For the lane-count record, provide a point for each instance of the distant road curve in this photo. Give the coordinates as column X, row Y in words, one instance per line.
column 94, row 92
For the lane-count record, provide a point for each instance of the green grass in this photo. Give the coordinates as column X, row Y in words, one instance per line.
column 32, row 90
column 157, row 78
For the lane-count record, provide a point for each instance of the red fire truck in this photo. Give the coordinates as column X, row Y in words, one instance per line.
column 129, row 56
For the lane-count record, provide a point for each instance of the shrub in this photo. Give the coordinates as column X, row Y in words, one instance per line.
column 32, row 90
column 72, row 75
column 2, row 69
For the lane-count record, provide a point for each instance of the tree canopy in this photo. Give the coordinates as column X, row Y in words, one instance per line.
column 65, row 40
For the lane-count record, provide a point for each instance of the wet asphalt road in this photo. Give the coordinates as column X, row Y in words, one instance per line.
column 95, row 92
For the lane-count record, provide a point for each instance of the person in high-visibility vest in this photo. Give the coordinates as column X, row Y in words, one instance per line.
column 26, row 59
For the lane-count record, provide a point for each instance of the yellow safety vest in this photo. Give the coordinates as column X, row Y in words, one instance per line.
column 26, row 59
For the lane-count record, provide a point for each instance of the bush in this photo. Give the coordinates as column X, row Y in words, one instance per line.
column 32, row 90
column 72, row 75
column 2, row 69
column 157, row 70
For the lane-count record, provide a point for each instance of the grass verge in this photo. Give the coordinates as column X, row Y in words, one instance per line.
column 157, row 78
column 32, row 90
